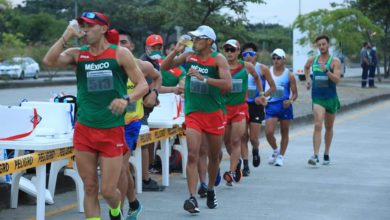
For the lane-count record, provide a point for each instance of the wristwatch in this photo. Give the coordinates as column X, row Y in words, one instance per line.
column 205, row 79
column 127, row 98
column 156, row 91
column 261, row 93
column 149, row 91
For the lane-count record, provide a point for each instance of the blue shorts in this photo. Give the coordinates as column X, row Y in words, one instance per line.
column 131, row 133
column 276, row 110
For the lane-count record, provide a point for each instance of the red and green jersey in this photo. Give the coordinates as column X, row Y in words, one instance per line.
column 100, row 80
column 239, row 85
column 199, row 96
column 173, row 76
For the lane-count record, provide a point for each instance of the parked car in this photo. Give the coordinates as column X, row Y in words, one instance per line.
column 19, row 68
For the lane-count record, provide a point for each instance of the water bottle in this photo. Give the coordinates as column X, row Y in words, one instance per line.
column 75, row 25
column 185, row 40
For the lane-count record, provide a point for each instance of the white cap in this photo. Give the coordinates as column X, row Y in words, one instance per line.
column 232, row 42
column 279, row 52
column 204, row 31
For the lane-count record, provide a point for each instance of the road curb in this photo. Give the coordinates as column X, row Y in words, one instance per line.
column 46, row 83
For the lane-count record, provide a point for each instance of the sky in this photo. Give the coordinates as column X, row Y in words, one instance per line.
column 282, row 12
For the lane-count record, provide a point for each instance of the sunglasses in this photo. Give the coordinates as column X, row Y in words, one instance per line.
column 230, row 49
column 276, row 58
column 248, row 54
column 200, row 38
column 94, row 16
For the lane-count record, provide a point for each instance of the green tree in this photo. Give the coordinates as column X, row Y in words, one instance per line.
column 340, row 24
column 37, row 28
column 61, row 9
column 11, row 45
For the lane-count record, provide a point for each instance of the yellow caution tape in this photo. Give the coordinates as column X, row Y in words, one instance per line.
column 33, row 160
column 158, row 135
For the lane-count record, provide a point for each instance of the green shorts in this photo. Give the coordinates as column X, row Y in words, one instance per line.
column 331, row 105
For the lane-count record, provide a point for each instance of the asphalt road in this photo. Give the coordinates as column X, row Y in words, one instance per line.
column 355, row 186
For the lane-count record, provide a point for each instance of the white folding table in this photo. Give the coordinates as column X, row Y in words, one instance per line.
column 136, row 160
column 36, row 144
column 165, row 147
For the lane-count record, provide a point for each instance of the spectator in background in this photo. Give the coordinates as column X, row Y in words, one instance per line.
column 171, row 46
column 372, row 67
column 364, row 63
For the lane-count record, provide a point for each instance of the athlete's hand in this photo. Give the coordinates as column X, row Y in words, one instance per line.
column 118, row 106
column 175, row 90
column 194, row 72
column 181, row 87
column 150, row 100
column 286, row 103
column 179, row 48
column 72, row 31
column 308, row 84
column 323, row 67
column 261, row 100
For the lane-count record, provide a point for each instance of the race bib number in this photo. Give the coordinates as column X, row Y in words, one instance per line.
column 251, row 92
column 322, row 81
column 101, row 80
column 197, row 86
column 279, row 93
column 236, row 86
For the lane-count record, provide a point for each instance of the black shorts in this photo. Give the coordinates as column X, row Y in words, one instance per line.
column 256, row 112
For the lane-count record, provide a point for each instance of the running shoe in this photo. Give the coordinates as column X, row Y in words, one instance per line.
column 133, row 214
column 238, row 173
column 272, row 158
column 191, row 205
column 211, row 199
column 246, row 171
column 152, row 186
column 202, row 191
column 326, row 160
column 228, row 177
column 279, row 160
column 313, row 161
column 256, row 157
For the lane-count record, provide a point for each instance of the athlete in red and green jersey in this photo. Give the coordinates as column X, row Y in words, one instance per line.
column 102, row 72
column 208, row 74
column 100, row 79
column 236, row 106
column 199, row 95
